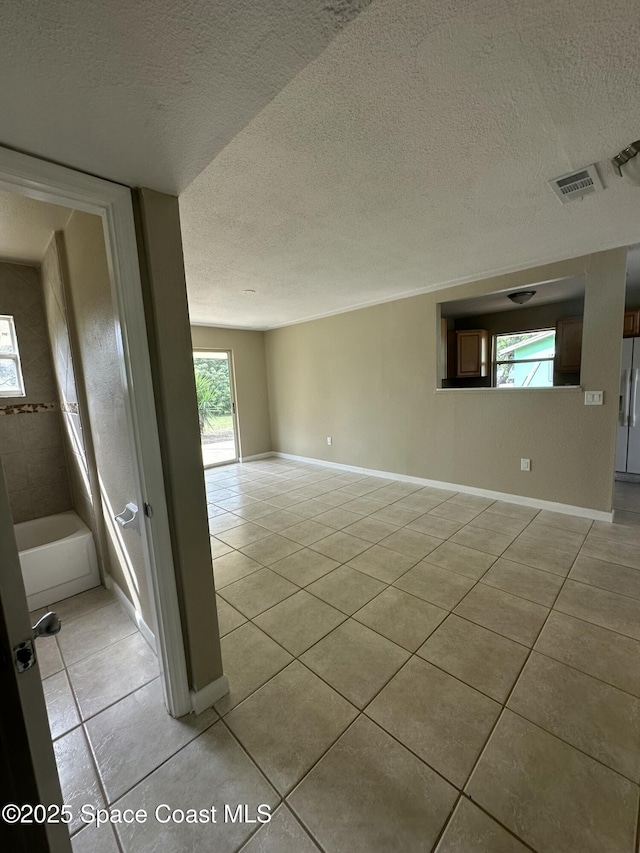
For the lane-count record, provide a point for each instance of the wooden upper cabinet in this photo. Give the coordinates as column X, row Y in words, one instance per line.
column 472, row 353
column 631, row 324
column 568, row 345
column 444, row 367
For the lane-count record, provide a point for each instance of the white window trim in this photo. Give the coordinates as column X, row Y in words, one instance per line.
column 13, row 356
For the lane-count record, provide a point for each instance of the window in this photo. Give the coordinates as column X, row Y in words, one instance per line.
column 524, row 359
column 11, row 382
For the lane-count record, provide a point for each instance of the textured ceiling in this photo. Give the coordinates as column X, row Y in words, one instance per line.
column 26, row 227
column 147, row 92
column 414, row 152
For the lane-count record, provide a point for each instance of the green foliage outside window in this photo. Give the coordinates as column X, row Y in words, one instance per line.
column 212, row 390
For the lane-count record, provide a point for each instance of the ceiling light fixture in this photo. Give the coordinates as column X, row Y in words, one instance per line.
column 248, row 292
column 627, row 163
column 522, row 296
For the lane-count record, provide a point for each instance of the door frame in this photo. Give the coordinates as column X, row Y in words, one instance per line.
column 37, row 179
column 234, row 405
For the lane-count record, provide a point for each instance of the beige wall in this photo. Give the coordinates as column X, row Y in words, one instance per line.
column 31, row 446
column 368, row 379
column 252, row 401
column 164, row 290
column 90, row 301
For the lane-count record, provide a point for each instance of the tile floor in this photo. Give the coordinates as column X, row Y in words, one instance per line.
column 411, row 669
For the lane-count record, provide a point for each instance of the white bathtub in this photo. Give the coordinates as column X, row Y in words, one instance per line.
column 57, row 557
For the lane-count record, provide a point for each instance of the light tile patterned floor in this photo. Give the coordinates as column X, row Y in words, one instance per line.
column 411, row 669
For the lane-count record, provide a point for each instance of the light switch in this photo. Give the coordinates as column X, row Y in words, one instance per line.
column 593, row 398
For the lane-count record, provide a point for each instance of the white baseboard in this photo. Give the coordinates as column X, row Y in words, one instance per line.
column 205, row 698
column 144, row 629
column 536, row 503
column 257, row 456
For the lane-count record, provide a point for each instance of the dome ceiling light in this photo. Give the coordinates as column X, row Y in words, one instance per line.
column 522, row 296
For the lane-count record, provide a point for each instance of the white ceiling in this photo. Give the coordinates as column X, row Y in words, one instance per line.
column 26, row 227
column 147, row 92
column 414, row 152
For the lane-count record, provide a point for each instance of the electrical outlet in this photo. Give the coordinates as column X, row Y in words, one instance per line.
column 329, row 440
column 525, row 464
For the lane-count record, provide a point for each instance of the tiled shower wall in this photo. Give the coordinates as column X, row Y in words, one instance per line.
column 65, row 377
column 31, row 443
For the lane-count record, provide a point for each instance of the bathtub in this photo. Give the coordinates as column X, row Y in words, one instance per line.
column 57, row 558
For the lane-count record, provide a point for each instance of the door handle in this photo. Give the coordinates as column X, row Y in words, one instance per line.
column 633, row 405
column 624, row 398
column 47, row 626
column 24, row 653
column 129, row 519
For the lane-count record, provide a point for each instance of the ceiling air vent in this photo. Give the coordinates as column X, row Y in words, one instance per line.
column 576, row 184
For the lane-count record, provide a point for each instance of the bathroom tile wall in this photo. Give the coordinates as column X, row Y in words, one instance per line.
column 31, row 445
column 65, row 378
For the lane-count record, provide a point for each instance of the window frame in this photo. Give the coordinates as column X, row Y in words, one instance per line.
column 495, row 362
column 13, row 356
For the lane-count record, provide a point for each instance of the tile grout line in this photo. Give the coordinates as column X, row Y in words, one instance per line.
column 83, row 721
column 463, row 796
column 495, row 725
column 92, row 758
column 132, row 787
column 392, row 585
column 361, row 712
column 505, row 703
column 517, row 679
column 599, row 761
column 81, row 724
column 564, row 579
column 243, row 749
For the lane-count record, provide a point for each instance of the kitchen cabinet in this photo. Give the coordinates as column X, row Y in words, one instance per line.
column 568, row 345
column 472, row 353
column 631, row 324
column 444, row 360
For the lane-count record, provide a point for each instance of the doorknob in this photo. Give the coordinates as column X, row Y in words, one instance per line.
column 47, row 626
column 24, row 653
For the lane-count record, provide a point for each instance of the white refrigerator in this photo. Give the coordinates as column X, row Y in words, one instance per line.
column 628, row 444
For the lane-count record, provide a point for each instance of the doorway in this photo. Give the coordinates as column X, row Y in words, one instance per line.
column 111, row 204
column 98, row 223
column 216, row 406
